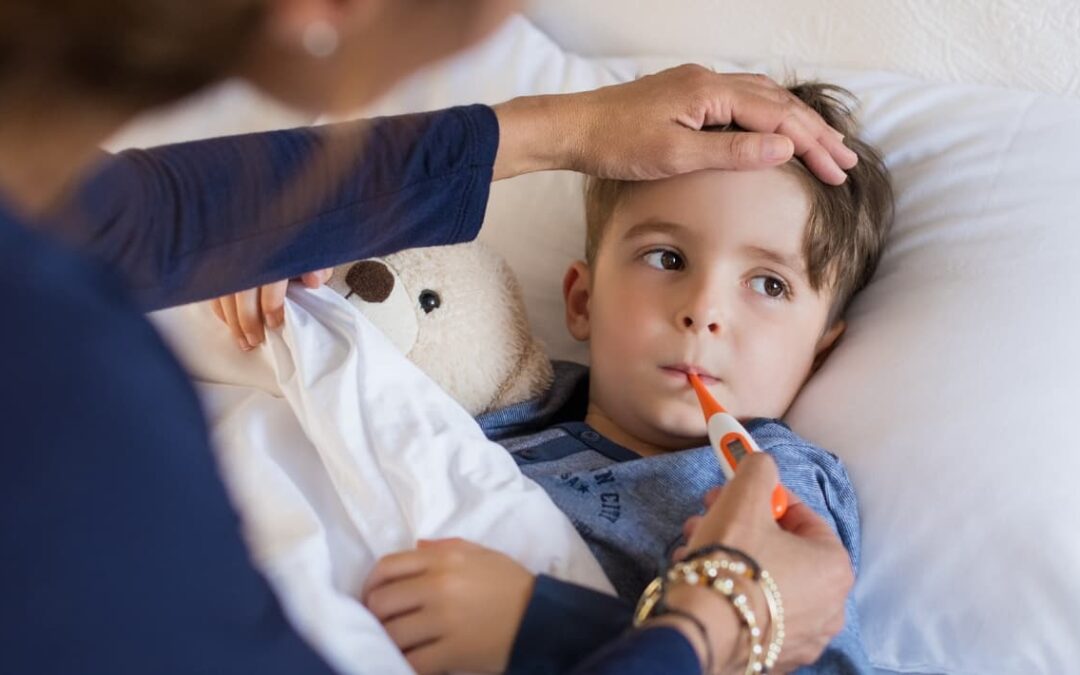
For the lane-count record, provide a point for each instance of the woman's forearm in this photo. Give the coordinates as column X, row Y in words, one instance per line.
column 531, row 136
column 196, row 220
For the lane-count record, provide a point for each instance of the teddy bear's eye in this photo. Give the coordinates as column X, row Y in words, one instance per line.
column 429, row 301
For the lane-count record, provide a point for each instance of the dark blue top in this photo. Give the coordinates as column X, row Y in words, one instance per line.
column 119, row 551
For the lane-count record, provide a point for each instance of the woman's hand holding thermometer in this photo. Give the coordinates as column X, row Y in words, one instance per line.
column 731, row 441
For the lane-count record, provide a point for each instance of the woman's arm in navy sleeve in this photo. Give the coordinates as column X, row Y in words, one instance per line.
column 196, row 220
column 563, row 624
column 662, row 649
column 566, row 625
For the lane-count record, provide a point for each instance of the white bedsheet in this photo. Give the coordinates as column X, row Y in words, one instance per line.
column 337, row 450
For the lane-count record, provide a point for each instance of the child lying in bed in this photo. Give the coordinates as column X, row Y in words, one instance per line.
column 740, row 277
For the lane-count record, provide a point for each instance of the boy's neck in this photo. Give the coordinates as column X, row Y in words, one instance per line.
column 609, row 429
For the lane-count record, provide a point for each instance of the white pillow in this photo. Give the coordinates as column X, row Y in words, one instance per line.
column 1029, row 45
column 950, row 397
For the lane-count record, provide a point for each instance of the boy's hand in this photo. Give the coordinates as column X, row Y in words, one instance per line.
column 245, row 312
column 450, row 605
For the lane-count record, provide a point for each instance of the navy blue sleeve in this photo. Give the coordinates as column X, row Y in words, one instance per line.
column 196, row 220
column 120, row 552
column 563, row 624
column 644, row 652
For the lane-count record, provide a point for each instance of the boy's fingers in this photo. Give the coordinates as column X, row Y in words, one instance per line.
column 316, row 278
column 272, row 303
column 398, row 597
column 428, row 659
column 394, row 566
column 250, row 316
column 228, row 308
column 446, row 543
column 412, row 630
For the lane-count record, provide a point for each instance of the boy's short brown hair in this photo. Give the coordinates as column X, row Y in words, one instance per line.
column 847, row 226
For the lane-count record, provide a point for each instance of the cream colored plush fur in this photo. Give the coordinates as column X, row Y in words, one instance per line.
column 476, row 343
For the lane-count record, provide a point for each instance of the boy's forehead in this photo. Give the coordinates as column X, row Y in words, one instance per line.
column 767, row 210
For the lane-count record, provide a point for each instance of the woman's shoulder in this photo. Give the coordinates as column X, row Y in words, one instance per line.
column 75, row 348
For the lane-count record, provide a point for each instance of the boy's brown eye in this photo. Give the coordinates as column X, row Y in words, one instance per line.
column 663, row 259
column 771, row 287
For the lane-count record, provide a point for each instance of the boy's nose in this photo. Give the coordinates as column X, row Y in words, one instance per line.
column 699, row 321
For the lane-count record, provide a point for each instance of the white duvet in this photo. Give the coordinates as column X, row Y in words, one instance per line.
column 337, row 450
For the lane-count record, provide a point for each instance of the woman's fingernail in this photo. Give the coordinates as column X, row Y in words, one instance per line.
column 243, row 344
column 777, row 148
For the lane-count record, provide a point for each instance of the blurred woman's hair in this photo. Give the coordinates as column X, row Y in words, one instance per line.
column 137, row 52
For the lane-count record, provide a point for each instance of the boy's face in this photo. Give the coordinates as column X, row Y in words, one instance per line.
column 705, row 273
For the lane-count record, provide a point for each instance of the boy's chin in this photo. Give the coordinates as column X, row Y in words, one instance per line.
column 683, row 431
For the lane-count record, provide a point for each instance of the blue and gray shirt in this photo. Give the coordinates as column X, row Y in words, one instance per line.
column 630, row 509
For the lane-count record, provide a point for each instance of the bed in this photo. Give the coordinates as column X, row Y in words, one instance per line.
column 951, row 397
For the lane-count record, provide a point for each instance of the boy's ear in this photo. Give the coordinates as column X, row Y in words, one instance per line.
column 576, row 287
column 826, row 344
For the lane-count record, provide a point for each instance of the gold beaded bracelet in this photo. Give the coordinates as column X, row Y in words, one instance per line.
column 768, row 588
column 776, row 619
column 720, row 574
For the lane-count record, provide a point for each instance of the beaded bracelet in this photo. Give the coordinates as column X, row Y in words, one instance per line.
column 698, row 570
column 708, row 572
column 731, row 552
column 776, row 616
column 768, row 588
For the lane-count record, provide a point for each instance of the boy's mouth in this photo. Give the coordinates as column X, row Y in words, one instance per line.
column 684, row 369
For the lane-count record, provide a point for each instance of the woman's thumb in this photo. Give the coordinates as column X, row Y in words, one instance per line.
column 745, row 501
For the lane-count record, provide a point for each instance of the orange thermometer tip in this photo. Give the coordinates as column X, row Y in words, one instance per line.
column 709, row 405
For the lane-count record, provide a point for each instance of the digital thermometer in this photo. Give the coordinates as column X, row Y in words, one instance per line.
column 731, row 441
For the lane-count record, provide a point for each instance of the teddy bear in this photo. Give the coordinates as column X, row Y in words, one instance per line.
column 457, row 312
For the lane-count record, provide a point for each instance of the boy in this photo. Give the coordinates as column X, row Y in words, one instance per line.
column 740, row 277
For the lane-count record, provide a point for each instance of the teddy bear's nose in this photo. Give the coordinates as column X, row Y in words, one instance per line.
column 371, row 280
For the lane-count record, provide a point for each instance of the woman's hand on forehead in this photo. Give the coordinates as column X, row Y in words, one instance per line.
column 655, row 127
